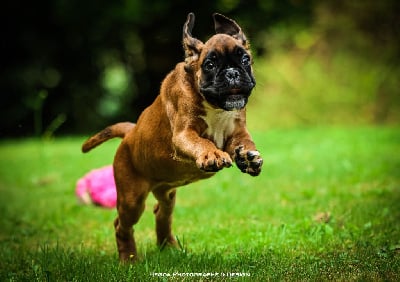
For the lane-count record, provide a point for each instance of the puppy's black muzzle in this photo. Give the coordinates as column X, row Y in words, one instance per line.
column 229, row 90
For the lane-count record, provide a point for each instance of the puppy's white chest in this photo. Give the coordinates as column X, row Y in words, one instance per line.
column 221, row 125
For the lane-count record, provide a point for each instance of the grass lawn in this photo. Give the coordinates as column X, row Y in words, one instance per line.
column 326, row 207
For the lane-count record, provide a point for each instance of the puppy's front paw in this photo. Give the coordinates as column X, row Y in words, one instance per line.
column 213, row 161
column 248, row 161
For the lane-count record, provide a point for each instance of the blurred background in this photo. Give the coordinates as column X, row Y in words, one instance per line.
column 73, row 67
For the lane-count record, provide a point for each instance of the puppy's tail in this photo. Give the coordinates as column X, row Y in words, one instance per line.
column 115, row 130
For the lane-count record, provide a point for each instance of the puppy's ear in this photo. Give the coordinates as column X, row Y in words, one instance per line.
column 227, row 26
column 191, row 45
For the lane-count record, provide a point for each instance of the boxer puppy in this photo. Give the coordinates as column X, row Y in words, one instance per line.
column 194, row 128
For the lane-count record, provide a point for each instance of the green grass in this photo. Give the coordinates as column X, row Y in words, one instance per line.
column 265, row 227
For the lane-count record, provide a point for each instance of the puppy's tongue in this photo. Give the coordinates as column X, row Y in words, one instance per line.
column 235, row 91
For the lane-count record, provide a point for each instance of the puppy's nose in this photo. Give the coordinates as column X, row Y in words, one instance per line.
column 232, row 74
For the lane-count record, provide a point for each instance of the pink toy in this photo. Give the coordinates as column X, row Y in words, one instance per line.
column 98, row 187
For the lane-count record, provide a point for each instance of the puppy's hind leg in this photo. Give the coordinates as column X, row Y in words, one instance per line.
column 163, row 213
column 132, row 191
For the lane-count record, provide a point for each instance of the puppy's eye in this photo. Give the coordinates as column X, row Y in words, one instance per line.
column 209, row 65
column 246, row 61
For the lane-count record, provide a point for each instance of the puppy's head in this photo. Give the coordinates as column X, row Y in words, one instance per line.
column 221, row 67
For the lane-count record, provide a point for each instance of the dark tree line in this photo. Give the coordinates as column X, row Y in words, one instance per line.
column 62, row 61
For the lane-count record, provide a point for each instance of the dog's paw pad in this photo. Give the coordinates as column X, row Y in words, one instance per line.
column 248, row 161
